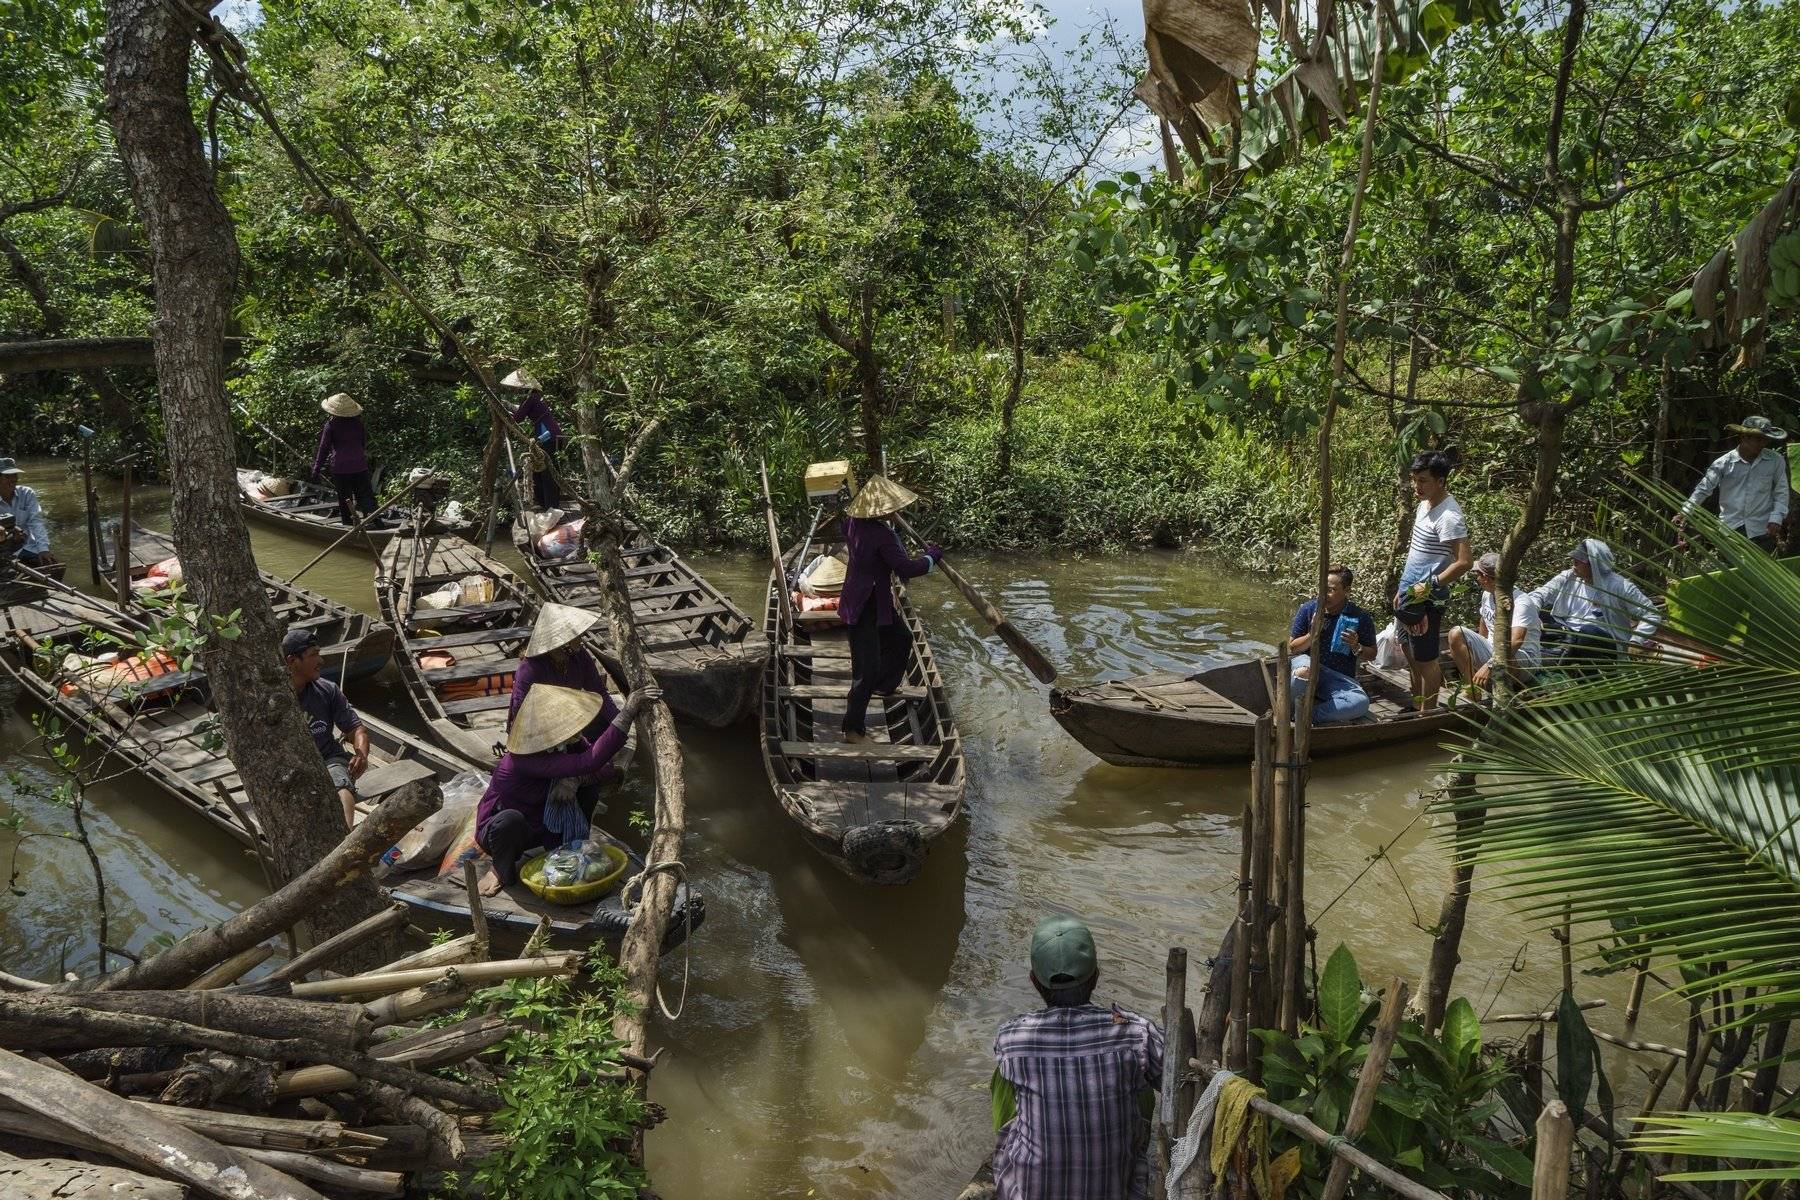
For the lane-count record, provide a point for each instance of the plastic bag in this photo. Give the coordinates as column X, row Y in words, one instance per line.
column 576, row 862
column 448, row 596
column 1388, row 654
column 476, row 589
column 452, row 514
column 426, row 842
column 561, row 541
column 539, row 523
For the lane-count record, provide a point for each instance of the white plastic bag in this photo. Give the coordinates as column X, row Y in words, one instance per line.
column 425, row 843
column 1388, row 654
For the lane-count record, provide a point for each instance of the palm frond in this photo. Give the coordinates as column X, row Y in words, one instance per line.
column 1742, row 1136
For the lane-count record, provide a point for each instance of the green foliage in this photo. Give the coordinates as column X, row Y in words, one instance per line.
column 1435, row 1109
column 569, row 1116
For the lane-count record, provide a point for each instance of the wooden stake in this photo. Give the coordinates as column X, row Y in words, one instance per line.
column 1262, row 801
column 1550, row 1167
column 1174, row 1005
column 1362, row 1103
column 122, row 546
column 477, row 914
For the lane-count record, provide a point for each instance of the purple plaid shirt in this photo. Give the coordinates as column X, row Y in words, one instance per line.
column 1076, row 1075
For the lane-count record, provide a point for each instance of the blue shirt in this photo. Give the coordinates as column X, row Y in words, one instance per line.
column 26, row 510
column 1338, row 656
column 324, row 705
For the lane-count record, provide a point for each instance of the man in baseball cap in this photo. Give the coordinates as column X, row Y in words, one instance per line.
column 1074, row 1083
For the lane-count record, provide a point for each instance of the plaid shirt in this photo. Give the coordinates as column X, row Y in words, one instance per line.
column 1076, row 1075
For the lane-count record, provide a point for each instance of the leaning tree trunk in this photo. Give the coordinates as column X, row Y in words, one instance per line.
column 194, row 265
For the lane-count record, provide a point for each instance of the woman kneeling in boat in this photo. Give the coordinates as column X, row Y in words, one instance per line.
column 555, row 655
column 545, row 745
column 879, row 642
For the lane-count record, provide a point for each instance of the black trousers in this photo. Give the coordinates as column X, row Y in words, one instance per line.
column 544, row 492
column 353, row 486
column 509, row 835
column 878, row 661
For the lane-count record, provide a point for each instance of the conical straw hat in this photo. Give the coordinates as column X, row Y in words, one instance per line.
column 341, row 405
column 521, row 378
column 879, row 497
column 550, row 716
column 828, row 576
column 558, row 625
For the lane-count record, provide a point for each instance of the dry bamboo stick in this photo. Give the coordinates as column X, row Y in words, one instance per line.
column 1362, row 1103
column 1335, row 1146
column 452, row 953
column 383, row 982
column 1548, row 1015
column 421, row 1051
column 1550, row 1167
column 266, row 1133
column 233, row 968
column 295, row 968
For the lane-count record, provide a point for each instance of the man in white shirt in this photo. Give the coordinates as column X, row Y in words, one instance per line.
column 1473, row 649
column 25, row 537
column 1752, row 482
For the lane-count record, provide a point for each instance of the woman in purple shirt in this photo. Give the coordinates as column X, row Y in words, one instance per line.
column 879, row 642
column 546, row 745
column 343, row 443
column 534, row 414
column 556, row 655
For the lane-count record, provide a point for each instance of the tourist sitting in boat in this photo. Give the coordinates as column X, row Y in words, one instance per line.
column 880, row 643
column 25, row 538
column 1439, row 556
column 343, row 447
column 1473, row 649
column 1591, row 612
column 555, row 655
column 325, row 707
column 1349, row 640
column 1752, row 482
column 1074, row 1084
column 534, row 414
column 545, row 745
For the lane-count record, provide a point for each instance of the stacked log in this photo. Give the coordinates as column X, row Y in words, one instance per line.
column 297, row 1085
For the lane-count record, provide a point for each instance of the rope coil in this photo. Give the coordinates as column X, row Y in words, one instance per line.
column 628, row 899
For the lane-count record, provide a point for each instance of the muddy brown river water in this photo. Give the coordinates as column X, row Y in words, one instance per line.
column 836, row 1038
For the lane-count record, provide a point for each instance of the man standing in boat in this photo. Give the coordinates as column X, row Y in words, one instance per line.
column 1349, row 634
column 1074, row 1084
column 1752, row 482
column 880, row 644
column 343, row 445
column 534, row 414
column 25, row 538
column 326, row 708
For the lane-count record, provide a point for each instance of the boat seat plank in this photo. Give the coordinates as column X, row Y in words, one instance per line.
column 866, row 752
column 471, row 637
column 815, row 651
column 476, row 669
column 476, row 704
column 814, row 691
column 678, row 614
column 657, row 593
column 378, row 782
column 462, row 611
column 219, row 768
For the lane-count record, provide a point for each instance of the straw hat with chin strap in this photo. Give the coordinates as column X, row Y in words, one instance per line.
column 523, row 380
column 550, row 716
column 879, row 497
column 558, row 625
column 341, row 405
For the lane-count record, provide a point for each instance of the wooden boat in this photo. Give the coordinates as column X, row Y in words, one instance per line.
column 700, row 646
column 875, row 808
column 1209, row 717
column 311, row 510
column 168, row 735
column 16, row 588
column 465, row 702
column 353, row 645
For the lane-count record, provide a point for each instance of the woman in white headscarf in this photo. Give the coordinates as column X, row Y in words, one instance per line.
column 1600, row 611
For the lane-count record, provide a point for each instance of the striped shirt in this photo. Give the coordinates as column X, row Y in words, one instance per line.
column 1076, row 1075
column 1436, row 530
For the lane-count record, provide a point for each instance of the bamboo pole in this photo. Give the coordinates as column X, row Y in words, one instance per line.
column 1281, row 835
column 1262, row 800
column 362, row 525
column 122, row 546
column 233, row 968
column 378, row 983
column 1362, row 1103
column 477, row 912
column 1550, row 1166
column 370, row 927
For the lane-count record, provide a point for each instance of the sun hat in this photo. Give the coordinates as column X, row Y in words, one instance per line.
column 1062, row 952
column 522, row 379
column 879, row 497
column 558, row 625
column 827, row 576
column 1762, row 427
column 9, row 467
column 550, row 716
column 341, row 405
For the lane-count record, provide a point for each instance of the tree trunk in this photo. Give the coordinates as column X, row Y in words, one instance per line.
column 1446, row 941
column 194, row 264
column 1015, row 378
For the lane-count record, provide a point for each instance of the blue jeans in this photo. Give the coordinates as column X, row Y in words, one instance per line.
column 1340, row 697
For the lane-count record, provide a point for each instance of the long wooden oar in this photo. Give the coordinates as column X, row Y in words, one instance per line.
column 359, row 526
column 1030, row 655
column 780, row 572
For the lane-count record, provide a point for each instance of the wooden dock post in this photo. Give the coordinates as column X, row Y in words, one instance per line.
column 1550, row 1168
column 1362, row 1103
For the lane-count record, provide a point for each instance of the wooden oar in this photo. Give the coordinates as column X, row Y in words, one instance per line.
column 781, row 585
column 1030, row 655
column 359, row 526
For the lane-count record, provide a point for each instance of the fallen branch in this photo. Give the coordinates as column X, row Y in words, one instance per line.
column 327, row 950
column 48, row 1021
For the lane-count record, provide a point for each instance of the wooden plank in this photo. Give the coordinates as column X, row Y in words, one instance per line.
column 673, row 589
column 379, row 781
column 457, row 708
column 472, row 637
column 678, row 614
column 866, row 752
column 816, row 652
column 425, row 616
column 815, row 691
column 477, row 669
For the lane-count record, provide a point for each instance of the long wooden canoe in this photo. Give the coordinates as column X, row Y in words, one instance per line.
column 1209, row 717
column 872, row 809
column 352, row 644
column 464, row 702
column 15, row 588
column 700, row 646
column 311, row 510
column 170, row 738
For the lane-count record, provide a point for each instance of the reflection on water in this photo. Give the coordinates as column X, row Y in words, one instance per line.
column 837, row 1037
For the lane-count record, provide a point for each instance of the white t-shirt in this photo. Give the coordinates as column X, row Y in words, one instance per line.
column 1525, row 616
column 1436, row 530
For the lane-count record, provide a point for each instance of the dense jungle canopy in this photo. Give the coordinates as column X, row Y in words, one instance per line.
column 790, row 229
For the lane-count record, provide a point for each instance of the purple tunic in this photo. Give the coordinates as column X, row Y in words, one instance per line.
column 342, row 441
column 522, row 781
column 537, row 410
column 875, row 557
column 582, row 673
